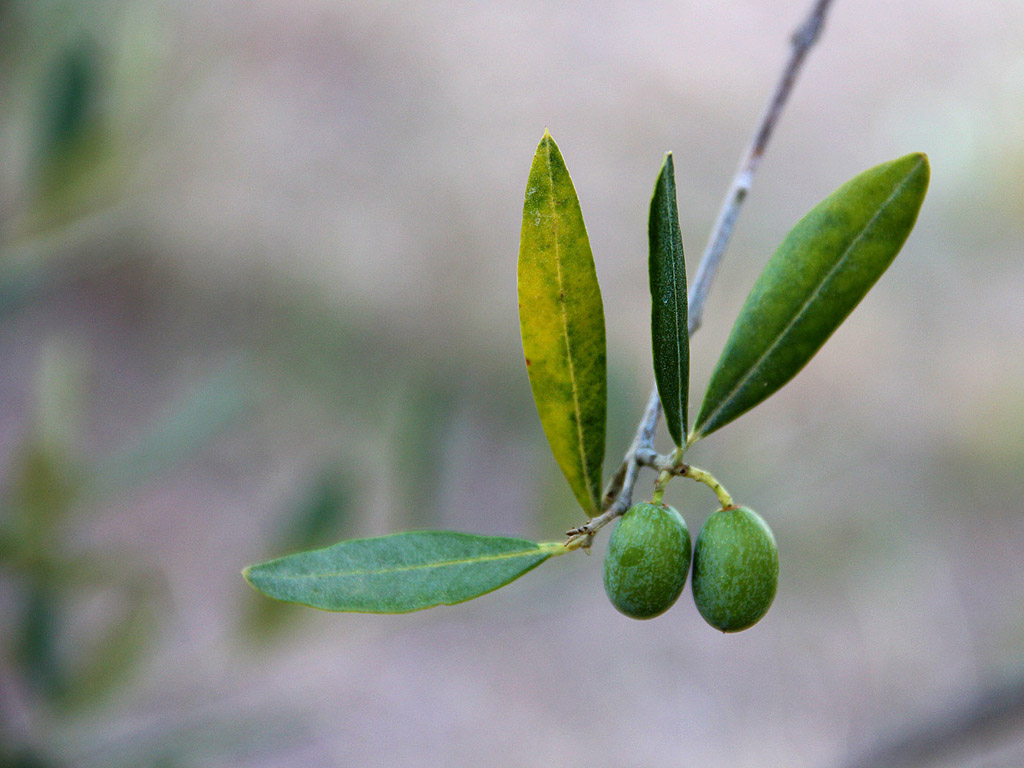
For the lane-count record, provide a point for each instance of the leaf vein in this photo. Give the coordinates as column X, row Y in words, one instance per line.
column 581, row 442
column 414, row 567
column 673, row 225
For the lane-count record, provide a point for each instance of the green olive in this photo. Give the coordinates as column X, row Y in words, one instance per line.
column 735, row 569
column 647, row 561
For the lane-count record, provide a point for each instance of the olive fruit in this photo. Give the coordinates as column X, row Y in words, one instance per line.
column 647, row 561
column 735, row 569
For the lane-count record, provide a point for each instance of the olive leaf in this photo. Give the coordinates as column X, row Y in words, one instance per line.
column 399, row 573
column 561, row 319
column 822, row 269
column 670, row 338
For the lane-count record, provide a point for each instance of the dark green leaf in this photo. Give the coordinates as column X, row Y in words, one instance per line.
column 669, row 333
column 37, row 651
column 819, row 273
column 314, row 522
column 561, row 318
column 71, row 98
column 75, row 164
column 399, row 573
column 110, row 658
column 319, row 515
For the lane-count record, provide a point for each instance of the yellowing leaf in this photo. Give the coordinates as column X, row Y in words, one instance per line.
column 561, row 319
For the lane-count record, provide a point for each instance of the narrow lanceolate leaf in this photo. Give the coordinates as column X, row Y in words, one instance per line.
column 399, row 573
column 670, row 337
column 561, row 319
column 819, row 273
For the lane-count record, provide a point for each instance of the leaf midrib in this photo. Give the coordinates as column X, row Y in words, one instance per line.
column 415, row 567
column 672, row 226
column 753, row 369
column 581, row 442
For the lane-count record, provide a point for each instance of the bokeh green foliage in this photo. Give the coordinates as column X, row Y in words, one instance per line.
column 320, row 516
column 49, row 488
column 41, row 491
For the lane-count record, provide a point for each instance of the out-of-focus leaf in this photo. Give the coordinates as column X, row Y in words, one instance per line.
column 109, row 659
column 36, row 650
column 44, row 479
column 75, row 670
column 8, row 541
column 399, row 573
column 670, row 338
column 70, row 98
column 186, row 428
column 822, row 269
column 10, row 757
column 319, row 515
column 58, row 409
column 73, row 156
column 561, row 318
column 314, row 522
column 425, row 413
column 43, row 486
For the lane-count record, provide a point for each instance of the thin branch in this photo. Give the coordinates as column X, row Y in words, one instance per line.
column 617, row 498
column 802, row 41
column 618, row 495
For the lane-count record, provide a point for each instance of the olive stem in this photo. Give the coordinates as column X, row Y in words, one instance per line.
column 672, row 466
column 703, row 476
column 618, row 495
column 669, row 466
column 659, row 491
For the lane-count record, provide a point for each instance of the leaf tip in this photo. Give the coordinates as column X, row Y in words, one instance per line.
column 918, row 172
column 922, row 157
column 547, row 146
column 666, row 175
column 916, row 161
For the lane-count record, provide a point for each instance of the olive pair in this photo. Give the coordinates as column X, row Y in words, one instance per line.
column 735, row 565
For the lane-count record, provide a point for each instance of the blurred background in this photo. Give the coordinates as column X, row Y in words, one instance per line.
column 257, row 294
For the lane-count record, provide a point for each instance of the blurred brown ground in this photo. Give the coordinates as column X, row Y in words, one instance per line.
column 330, row 193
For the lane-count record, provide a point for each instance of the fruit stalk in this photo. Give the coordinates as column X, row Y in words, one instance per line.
column 668, row 466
